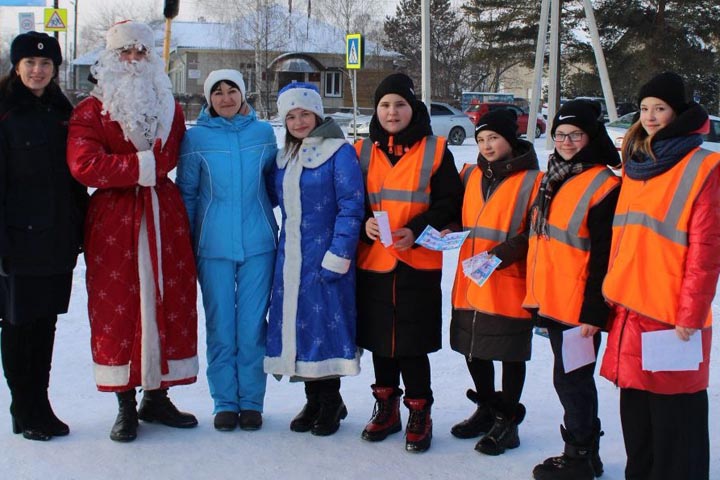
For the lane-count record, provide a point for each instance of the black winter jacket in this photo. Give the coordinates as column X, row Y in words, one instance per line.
column 42, row 207
column 400, row 312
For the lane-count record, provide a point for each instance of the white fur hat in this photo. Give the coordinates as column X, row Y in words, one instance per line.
column 226, row 74
column 127, row 33
column 299, row 95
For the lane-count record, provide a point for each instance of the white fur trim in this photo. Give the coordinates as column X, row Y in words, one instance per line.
column 150, row 340
column 292, row 265
column 111, row 375
column 304, row 98
column 119, row 375
column 146, row 176
column 225, row 74
column 127, row 33
column 324, row 368
column 335, row 263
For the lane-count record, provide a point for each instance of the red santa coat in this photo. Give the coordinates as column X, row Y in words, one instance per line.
column 141, row 277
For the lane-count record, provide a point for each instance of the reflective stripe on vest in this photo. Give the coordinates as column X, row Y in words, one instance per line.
column 570, row 236
column 650, row 238
column 415, row 196
column 403, row 191
column 501, row 217
column 523, row 197
column 668, row 228
column 557, row 267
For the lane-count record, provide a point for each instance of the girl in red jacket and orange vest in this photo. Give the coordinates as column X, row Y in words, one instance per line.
column 666, row 229
column 411, row 176
column 488, row 321
column 567, row 261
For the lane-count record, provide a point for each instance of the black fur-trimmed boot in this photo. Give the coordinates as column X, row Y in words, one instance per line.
column 574, row 464
column 126, row 424
column 504, row 432
column 479, row 423
column 418, row 433
column 157, row 407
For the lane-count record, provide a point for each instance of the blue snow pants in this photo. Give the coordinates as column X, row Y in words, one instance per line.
column 236, row 298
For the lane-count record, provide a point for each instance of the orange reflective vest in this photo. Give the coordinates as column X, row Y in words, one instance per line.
column 650, row 238
column 403, row 191
column 557, row 266
column 491, row 222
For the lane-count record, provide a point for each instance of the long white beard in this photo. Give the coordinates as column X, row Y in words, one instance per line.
column 137, row 95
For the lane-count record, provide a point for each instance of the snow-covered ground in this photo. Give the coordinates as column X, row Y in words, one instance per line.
column 275, row 452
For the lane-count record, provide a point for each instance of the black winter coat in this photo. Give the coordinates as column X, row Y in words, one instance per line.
column 43, row 207
column 494, row 337
column 400, row 312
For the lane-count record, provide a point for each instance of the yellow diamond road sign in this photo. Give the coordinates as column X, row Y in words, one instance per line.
column 55, row 19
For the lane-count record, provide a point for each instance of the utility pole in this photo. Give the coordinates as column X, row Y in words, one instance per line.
column 425, row 56
column 554, row 68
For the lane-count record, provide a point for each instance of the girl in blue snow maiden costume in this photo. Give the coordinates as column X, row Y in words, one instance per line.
column 311, row 329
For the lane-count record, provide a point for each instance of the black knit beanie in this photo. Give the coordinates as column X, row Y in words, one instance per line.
column 397, row 83
column 502, row 122
column 583, row 114
column 668, row 87
column 35, row 44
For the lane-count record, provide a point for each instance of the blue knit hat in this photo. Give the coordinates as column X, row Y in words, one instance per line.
column 299, row 95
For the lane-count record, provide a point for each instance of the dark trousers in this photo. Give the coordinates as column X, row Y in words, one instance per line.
column 666, row 436
column 483, row 375
column 576, row 390
column 324, row 386
column 415, row 373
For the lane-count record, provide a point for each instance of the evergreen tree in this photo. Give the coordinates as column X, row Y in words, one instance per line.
column 643, row 38
column 505, row 33
column 449, row 44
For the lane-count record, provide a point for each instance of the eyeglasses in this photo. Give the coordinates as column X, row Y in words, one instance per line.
column 573, row 136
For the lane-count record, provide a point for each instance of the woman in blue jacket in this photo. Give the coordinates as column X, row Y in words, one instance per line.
column 311, row 329
column 223, row 165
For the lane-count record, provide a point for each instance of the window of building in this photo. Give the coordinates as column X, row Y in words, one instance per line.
column 333, row 84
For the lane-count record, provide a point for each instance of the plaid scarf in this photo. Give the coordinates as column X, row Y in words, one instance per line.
column 558, row 171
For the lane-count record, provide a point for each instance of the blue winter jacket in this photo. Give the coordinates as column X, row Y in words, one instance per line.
column 222, row 178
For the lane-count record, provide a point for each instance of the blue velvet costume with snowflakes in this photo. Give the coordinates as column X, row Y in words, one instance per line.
column 311, row 330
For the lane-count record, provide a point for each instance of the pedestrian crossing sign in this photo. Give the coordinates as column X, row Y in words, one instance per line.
column 354, row 51
column 55, row 19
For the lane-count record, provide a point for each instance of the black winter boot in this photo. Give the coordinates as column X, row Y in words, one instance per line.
column 504, row 432
column 16, row 350
column 332, row 410
column 125, row 427
column 44, row 339
column 386, row 414
column 478, row 423
column 304, row 420
column 157, row 407
column 595, row 459
column 418, row 433
column 574, row 464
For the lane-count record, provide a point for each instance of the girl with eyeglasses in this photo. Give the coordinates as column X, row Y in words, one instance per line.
column 570, row 232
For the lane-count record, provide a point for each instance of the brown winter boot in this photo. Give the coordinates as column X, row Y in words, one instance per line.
column 386, row 414
column 418, row 433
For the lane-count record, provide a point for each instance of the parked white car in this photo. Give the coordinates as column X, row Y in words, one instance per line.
column 619, row 127
column 446, row 121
